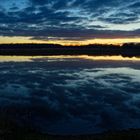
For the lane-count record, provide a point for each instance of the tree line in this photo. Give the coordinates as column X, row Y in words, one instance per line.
column 127, row 49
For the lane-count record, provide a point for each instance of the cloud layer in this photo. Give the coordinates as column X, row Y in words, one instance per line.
column 70, row 20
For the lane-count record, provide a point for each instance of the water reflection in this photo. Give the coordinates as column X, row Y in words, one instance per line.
column 71, row 97
column 64, row 57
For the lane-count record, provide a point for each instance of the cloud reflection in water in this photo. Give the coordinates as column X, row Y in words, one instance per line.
column 71, row 97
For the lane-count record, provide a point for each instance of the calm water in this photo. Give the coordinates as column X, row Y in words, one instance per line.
column 71, row 94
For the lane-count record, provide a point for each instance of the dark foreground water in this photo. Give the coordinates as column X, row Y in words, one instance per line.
column 71, row 94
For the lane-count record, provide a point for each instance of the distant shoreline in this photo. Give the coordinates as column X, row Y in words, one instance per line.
column 55, row 49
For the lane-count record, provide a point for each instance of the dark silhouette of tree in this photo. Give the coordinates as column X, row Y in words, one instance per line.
column 127, row 49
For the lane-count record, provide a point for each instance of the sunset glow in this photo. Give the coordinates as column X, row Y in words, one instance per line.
column 118, row 41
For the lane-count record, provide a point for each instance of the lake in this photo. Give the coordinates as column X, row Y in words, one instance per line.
column 71, row 94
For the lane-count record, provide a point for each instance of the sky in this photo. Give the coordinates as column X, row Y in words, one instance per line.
column 69, row 21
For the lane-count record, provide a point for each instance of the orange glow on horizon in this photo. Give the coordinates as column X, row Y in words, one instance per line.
column 117, row 41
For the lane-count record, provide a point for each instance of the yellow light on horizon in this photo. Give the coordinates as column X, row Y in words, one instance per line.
column 5, row 40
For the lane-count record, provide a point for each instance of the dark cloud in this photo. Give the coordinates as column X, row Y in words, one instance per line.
column 84, row 19
column 39, row 2
column 54, row 33
column 135, row 5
